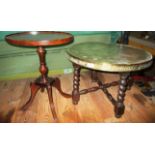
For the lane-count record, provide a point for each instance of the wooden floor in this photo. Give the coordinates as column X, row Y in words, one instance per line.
column 94, row 107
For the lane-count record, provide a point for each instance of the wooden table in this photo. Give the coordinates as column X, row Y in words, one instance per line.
column 40, row 40
column 121, row 59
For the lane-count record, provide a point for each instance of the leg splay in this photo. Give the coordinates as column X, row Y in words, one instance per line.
column 119, row 106
column 57, row 85
column 34, row 89
column 50, row 96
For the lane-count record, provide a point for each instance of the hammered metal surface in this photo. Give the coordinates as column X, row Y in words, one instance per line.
column 109, row 57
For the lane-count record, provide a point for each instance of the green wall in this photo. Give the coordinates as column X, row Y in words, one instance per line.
column 18, row 62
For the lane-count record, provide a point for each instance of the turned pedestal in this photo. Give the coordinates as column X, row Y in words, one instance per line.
column 41, row 40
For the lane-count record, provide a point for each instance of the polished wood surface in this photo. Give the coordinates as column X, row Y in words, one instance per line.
column 119, row 105
column 94, row 107
column 39, row 38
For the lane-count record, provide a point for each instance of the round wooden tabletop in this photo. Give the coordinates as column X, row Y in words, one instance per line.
column 109, row 57
column 40, row 38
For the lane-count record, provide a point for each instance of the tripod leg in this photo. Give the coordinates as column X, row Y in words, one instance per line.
column 50, row 96
column 34, row 89
column 57, row 85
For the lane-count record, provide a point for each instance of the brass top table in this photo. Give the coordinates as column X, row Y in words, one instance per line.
column 40, row 40
column 110, row 58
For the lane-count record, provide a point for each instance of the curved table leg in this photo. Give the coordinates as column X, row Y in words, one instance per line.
column 57, row 85
column 119, row 106
column 76, row 84
column 50, row 97
column 34, row 89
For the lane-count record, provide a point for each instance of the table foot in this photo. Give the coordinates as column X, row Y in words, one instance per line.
column 39, row 84
column 119, row 110
column 119, row 106
column 34, row 89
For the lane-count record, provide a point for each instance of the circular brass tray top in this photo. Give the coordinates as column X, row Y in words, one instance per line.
column 40, row 38
column 109, row 57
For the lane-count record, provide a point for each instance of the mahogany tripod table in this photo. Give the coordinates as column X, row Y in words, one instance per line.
column 121, row 59
column 40, row 40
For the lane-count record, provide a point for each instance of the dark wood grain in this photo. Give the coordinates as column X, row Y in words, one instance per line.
column 124, row 84
column 119, row 106
column 40, row 40
column 76, row 84
column 68, row 39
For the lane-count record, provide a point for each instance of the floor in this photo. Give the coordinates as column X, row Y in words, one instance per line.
column 94, row 107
